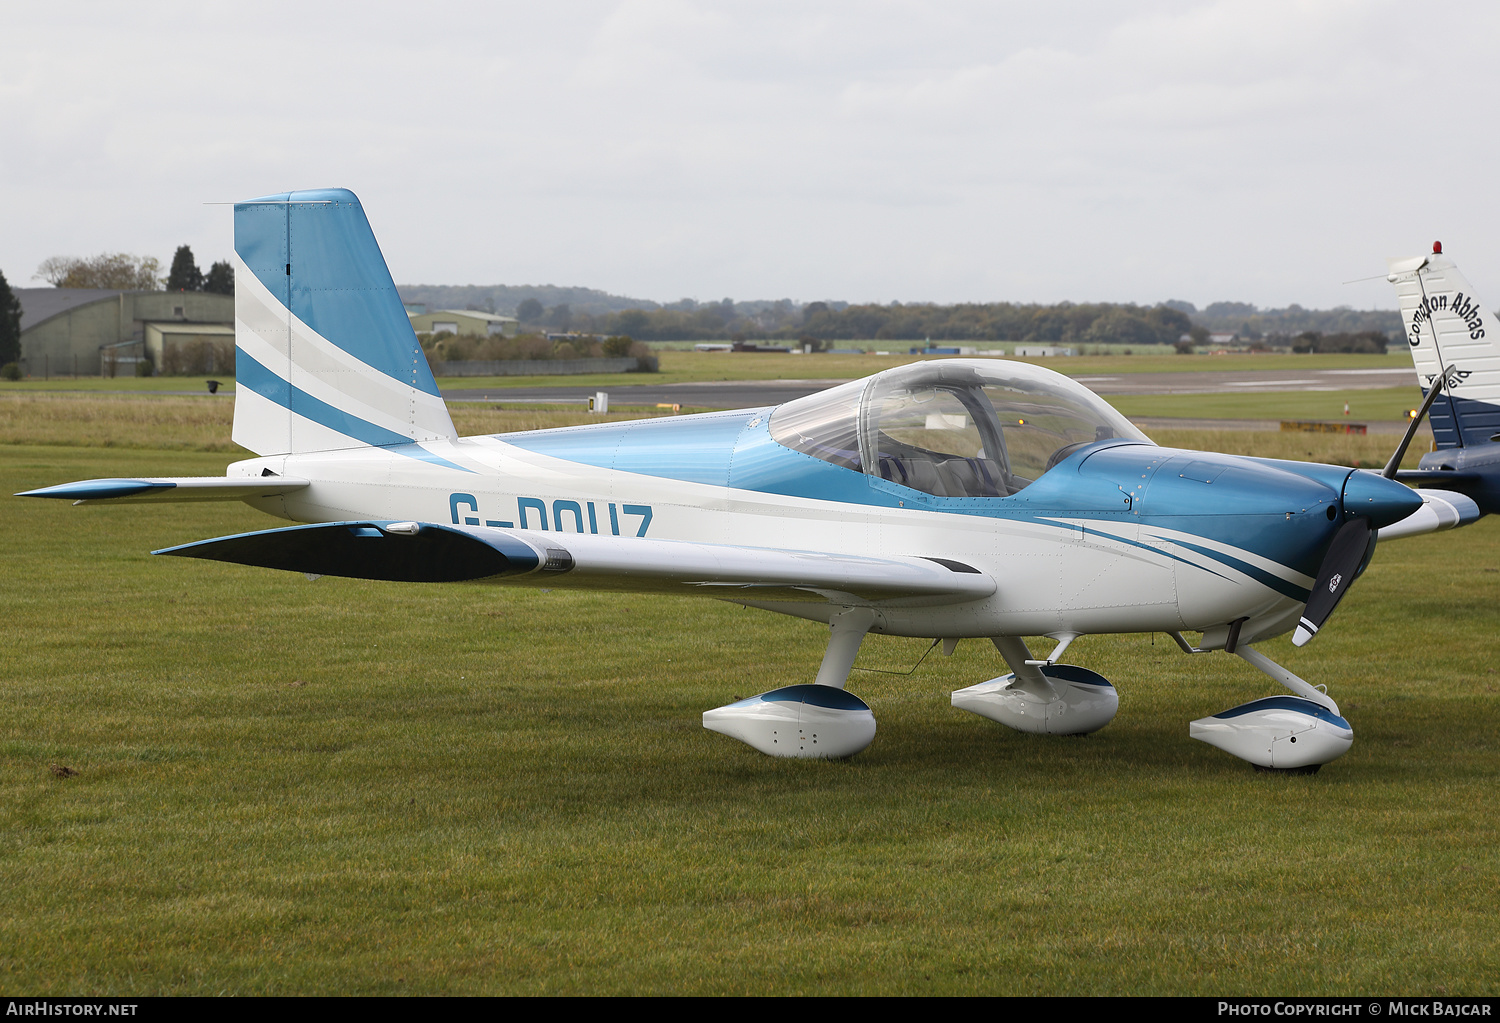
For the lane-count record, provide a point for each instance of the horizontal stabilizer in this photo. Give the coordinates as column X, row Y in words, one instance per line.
column 1446, row 478
column 1441, row 509
column 171, row 488
column 390, row 551
column 438, row 552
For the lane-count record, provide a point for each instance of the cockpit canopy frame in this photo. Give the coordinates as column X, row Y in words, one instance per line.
column 952, row 427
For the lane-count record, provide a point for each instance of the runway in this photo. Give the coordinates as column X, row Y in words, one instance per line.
column 726, row 394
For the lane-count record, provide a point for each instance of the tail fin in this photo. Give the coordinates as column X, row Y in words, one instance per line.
column 1446, row 327
column 325, row 356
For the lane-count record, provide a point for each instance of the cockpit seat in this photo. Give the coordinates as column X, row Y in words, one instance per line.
column 945, row 477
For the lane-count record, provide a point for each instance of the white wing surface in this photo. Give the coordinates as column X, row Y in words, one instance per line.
column 438, row 552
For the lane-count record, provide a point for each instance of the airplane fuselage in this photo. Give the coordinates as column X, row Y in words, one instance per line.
column 1119, row 537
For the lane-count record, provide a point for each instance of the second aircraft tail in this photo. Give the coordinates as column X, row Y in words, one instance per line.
column 1447, row 328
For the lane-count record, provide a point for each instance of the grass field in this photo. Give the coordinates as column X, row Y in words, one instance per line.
column 1383, row 404
column 694, row 367
column 181, row 423
column 337, row 786
column 201, row 423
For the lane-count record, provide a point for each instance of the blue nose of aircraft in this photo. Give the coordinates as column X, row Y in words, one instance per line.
column 1380, row 500
column 1287, row 512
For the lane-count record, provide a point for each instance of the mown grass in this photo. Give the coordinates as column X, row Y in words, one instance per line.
column 1383, row 404
column 694, row 367
column 177, row 423
column 118, row 385
column 321, row 787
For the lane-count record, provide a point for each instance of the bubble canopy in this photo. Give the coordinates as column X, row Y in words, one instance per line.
column 952, row 428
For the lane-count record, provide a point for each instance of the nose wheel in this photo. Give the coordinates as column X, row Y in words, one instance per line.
column 1298, row 733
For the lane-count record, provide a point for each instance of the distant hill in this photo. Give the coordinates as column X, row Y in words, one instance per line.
column 592, row 309
column 1250, row 321
column 504, row 298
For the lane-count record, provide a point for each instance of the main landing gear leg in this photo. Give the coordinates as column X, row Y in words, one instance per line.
column 1039, row 696
column 1279, row 733
column 819, row 720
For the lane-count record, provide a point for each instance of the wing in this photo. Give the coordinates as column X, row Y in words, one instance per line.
column 437, row 552
column 1441, row 509
column 171, row 488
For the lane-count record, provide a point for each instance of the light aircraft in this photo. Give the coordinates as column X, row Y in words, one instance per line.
column 947, row 499
column 1453, row 342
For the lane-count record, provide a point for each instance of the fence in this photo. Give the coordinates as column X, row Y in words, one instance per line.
column 543, row 367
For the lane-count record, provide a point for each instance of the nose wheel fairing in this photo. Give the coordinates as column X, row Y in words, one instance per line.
column 1073, row 701
column 1277, row 732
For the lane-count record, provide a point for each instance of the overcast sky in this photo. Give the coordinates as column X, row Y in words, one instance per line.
column 1260, row 151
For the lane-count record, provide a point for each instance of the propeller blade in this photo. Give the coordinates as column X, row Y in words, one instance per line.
column 1335, row 575
column 1389, row 472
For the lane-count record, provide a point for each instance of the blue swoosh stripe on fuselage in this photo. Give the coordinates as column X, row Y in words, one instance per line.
column 271, row 385
column 1260, row 575
column 723, row 449
column 694, row 449
column 1136, row 543
column 1283, row 586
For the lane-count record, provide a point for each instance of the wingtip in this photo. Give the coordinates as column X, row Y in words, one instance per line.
column 98, row 490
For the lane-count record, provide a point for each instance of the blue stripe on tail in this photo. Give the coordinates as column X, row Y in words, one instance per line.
column 314, row 251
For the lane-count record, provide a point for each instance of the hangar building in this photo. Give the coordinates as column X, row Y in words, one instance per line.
column 101, row 332
column 462, row 321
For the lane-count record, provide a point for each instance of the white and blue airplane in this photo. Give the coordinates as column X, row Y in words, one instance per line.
column 947, row 499
column 1453, row 341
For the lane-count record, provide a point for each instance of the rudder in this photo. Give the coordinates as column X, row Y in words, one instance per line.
column 325, row 356
column 1446, row 326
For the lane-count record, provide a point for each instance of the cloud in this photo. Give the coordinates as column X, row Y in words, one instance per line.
column 1263, row 151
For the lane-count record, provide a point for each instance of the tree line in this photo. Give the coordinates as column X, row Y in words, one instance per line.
column 446, row 347
column 1077, row 323
column 121, row 271
column 1252, row 323
column 1063, row 323
column 10, row 330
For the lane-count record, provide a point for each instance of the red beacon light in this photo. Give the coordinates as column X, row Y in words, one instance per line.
column 1437, row 248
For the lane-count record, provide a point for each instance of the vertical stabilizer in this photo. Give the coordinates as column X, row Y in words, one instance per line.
column 325, row 356
column 1447, row 327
